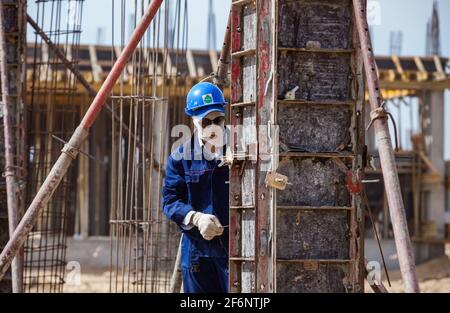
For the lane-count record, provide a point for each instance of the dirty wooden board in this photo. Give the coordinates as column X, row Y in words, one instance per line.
column 299, row 126
column 313, row 182
column 249, row 27
column 311, row 234
column 318, row 76
column 325, row 22
column 249, row 78
column 243, row 171
column 303, row 277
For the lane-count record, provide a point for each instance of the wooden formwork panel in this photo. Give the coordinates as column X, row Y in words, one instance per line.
column 312, row 277
column 298, row 128
column 318, row 76
column 243, row 172
column 318, row 248
column 313, row 234
column 313, row 182
column 294, row 66
column 306, row 21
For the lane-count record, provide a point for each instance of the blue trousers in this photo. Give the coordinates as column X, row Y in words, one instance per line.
column 209, row 276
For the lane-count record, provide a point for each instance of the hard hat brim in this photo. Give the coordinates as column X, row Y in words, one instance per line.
column 202, row 112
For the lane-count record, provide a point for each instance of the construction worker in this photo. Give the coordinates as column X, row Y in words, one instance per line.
column 195, row 193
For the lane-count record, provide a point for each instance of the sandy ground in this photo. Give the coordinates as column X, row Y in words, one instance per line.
column 434, row 276
column 98, row 280
column 91, row 280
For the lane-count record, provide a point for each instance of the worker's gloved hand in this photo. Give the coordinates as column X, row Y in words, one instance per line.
column 208, row 225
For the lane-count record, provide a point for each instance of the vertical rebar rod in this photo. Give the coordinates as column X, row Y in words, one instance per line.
column 10, row 168
column 70, row 150
column 387, row 158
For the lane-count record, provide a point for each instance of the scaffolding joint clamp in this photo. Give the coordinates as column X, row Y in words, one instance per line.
column 377, row 113
column 381, row 113
column 71, row 148
column 70, row 151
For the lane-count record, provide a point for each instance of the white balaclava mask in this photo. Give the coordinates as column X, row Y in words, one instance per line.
column 212, row 134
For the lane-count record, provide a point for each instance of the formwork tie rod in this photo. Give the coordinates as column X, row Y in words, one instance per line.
column 387, row 158
column 70, row 150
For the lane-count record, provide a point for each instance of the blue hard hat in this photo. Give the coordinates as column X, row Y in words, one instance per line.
column 204, row 98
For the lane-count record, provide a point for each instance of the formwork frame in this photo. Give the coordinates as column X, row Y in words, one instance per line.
column 262, row 259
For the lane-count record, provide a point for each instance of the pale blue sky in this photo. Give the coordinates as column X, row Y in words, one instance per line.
column 408, row 16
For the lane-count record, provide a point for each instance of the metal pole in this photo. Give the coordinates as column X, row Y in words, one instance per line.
column 387, row 158
column 175, row 280
column 10, row 168
column 221, row 77
column 70, row 150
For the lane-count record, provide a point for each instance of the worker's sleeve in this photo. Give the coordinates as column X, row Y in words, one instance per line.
column 186, row 225
column 175, row 193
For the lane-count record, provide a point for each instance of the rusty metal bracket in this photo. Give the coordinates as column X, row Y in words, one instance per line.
column 354, row 183
column 276, row 180
column 264, row 240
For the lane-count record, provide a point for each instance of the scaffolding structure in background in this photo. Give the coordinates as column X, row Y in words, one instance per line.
column 52, row 120
column 143, row 242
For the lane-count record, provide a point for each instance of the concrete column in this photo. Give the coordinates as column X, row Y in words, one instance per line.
column 433, row 132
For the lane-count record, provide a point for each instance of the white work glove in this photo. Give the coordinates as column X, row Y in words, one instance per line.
column 208, row 225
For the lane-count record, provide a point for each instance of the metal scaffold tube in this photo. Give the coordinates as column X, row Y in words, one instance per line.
column 10, row 167
column 379, row 118
column 70, row 150
column 223, row 66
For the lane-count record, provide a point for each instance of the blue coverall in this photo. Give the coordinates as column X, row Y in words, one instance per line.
column 193, row 182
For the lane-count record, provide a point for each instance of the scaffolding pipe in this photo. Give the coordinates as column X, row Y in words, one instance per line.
column 71, row 149
column 175, row 280
column 221, row 77
column 10, row 168
column 379, row 118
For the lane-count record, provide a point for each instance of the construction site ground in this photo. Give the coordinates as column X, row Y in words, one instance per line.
column 434, row 276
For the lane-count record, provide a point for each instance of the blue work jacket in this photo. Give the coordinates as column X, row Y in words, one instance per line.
column 193, row 182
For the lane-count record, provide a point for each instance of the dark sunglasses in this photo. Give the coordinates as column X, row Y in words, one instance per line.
column 217, row 121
